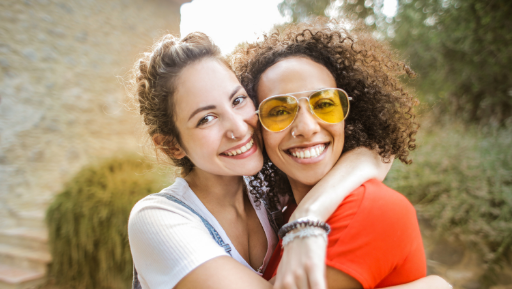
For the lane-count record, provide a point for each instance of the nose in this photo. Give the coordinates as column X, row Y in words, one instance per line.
column 237, row 125
column 305, row 124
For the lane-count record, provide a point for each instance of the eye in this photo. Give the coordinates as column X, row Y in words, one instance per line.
column 205, row 120
column 323, row 104
column 279, row 111
column 239, row 100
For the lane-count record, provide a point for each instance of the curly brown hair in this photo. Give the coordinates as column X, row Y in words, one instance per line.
column 381, row 113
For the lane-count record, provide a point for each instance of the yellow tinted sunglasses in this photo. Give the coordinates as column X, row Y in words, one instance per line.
column 330, row 105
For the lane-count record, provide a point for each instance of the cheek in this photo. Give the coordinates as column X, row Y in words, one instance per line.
column 339, row 136
column 194, row 142
column 252, row 121
column 251, row 117
column 271, row 141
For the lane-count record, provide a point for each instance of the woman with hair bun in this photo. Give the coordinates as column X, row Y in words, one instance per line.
column 213, row 228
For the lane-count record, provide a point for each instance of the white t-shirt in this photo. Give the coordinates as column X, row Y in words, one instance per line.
column 168, row 241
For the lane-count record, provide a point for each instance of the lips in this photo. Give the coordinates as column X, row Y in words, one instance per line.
column 307, row 152
column 240, row 149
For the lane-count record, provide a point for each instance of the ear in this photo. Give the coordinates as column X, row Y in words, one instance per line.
column 173, row 149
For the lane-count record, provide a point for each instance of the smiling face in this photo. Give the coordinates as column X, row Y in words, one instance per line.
column 308, row 148
column 211, row 108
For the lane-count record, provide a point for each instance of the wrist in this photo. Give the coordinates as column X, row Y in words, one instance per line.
column 301, row 233
column 303, row 223
column 307, row 211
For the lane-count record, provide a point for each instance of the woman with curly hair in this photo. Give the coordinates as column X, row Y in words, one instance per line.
column 305, row 80
column 212, row 228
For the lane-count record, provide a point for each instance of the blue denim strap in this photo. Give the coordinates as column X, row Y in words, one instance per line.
column 135, row 281
column 211, row 229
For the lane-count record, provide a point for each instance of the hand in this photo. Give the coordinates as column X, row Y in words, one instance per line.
column 302, row 265
column 438, row 282
column 429, row 282
column 433, row 281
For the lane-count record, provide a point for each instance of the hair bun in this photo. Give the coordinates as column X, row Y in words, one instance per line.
column 197, row 38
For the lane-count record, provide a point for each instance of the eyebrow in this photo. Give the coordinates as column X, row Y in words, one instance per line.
column 237, row 88
column 233, row 93
column 201, row 109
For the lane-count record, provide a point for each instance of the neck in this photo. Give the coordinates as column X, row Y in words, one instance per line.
column 217, row 191
column 299, row 189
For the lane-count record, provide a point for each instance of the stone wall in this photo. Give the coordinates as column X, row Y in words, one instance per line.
column 62, row 104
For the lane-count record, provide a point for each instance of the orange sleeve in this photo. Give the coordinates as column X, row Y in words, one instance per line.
column 375, row 238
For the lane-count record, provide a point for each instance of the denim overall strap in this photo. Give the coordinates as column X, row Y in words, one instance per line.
column 215, row 235
column 135, row 281
column 211, row 229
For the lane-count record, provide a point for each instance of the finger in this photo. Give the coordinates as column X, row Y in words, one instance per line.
column 285, row 283
column 284, row 280
column 302, row 281
column 316, row 277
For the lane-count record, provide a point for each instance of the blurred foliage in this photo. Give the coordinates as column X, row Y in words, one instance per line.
column 300, row 10
column 461, row 182
column 88, row 223
column 460, row 49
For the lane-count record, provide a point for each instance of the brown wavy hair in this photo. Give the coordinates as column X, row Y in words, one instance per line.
column 381, row 113
column 155, row 82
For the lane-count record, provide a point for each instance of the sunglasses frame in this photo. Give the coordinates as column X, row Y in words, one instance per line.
column 310, row 110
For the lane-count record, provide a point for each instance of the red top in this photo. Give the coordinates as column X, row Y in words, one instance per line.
column 374, row 238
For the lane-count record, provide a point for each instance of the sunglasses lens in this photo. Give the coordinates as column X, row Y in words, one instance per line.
column 277, row 113
column 330, row 105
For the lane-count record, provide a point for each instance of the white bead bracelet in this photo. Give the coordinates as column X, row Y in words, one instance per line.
column 304, row 233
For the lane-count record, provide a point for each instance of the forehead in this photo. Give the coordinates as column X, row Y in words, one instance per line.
column 203, row 83
column 294, row 74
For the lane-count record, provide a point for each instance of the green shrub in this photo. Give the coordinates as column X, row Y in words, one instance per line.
column 88, row 223
column 461, row 182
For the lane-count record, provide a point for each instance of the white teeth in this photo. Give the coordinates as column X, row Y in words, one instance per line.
column 311, row 152
column 242, row 149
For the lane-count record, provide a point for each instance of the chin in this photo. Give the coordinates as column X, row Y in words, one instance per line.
column 309, row 180
column 309, row 177
column 251, row 171
column 251, row 168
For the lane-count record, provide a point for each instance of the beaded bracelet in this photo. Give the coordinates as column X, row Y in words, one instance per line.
column 303, row 223
column 304, row 233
